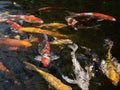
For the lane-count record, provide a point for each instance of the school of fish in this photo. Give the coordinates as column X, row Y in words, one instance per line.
column 83, row 74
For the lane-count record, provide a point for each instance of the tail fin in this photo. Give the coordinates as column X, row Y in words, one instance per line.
column 74, row 47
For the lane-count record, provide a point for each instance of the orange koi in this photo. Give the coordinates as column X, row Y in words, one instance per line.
column 14, row 44
column 45, row 54
column 94, row 15
column 28, row 18
column 52, row 80
column 8, row 74
column 49, row 9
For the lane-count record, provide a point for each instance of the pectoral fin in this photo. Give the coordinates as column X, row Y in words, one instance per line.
column 68, row 79
column 54, row 57
column 38, row 58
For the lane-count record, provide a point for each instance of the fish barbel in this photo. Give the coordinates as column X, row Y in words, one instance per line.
column 53, row 81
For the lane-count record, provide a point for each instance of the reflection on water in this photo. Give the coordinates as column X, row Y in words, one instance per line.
column 91, row 38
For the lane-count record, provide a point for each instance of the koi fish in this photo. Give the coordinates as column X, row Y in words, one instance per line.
column 61, row 41
column 44, row 31
column 108, row 66
column 93, row 14
column 46, row 56
column 52, row 80
column 77, row 25
column 28, row 18
column 49, row 9
column 82, row 76
column 71, row 21
column 8, row 74
column 112, row 71
column 14, row 44
column 53, row 25
column 19, row 28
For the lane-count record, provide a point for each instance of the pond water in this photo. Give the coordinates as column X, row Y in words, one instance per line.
column 91, row 38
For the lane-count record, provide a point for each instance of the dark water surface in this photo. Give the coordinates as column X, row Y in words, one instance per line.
column 91, row 38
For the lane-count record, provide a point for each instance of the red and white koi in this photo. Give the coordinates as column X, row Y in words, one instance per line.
column 27, row 18
column 71, row 21
column 45, row 55
column 94, row 15
column 77, row 25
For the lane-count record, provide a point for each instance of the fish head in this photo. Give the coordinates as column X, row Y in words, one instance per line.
column 69, row 20
column 45, row 60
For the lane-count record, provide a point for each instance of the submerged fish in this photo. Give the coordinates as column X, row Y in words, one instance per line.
column 109, row 67
column 52, row 80
column 14, row 44
column 36, row 30
column 49, row 9
column 71, row 21
column 93, row 15
column 8, row 74
column 112, row 72
column 78, row 25
column 45, row 54
column 61, row 41
column 53, row 25
column 28, row 18
column 82, row 76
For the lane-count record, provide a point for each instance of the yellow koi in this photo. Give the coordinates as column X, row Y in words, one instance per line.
column 43, row 31
column 53, row 81
column 53, row 25
column 112, row 73
column 61, row 41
